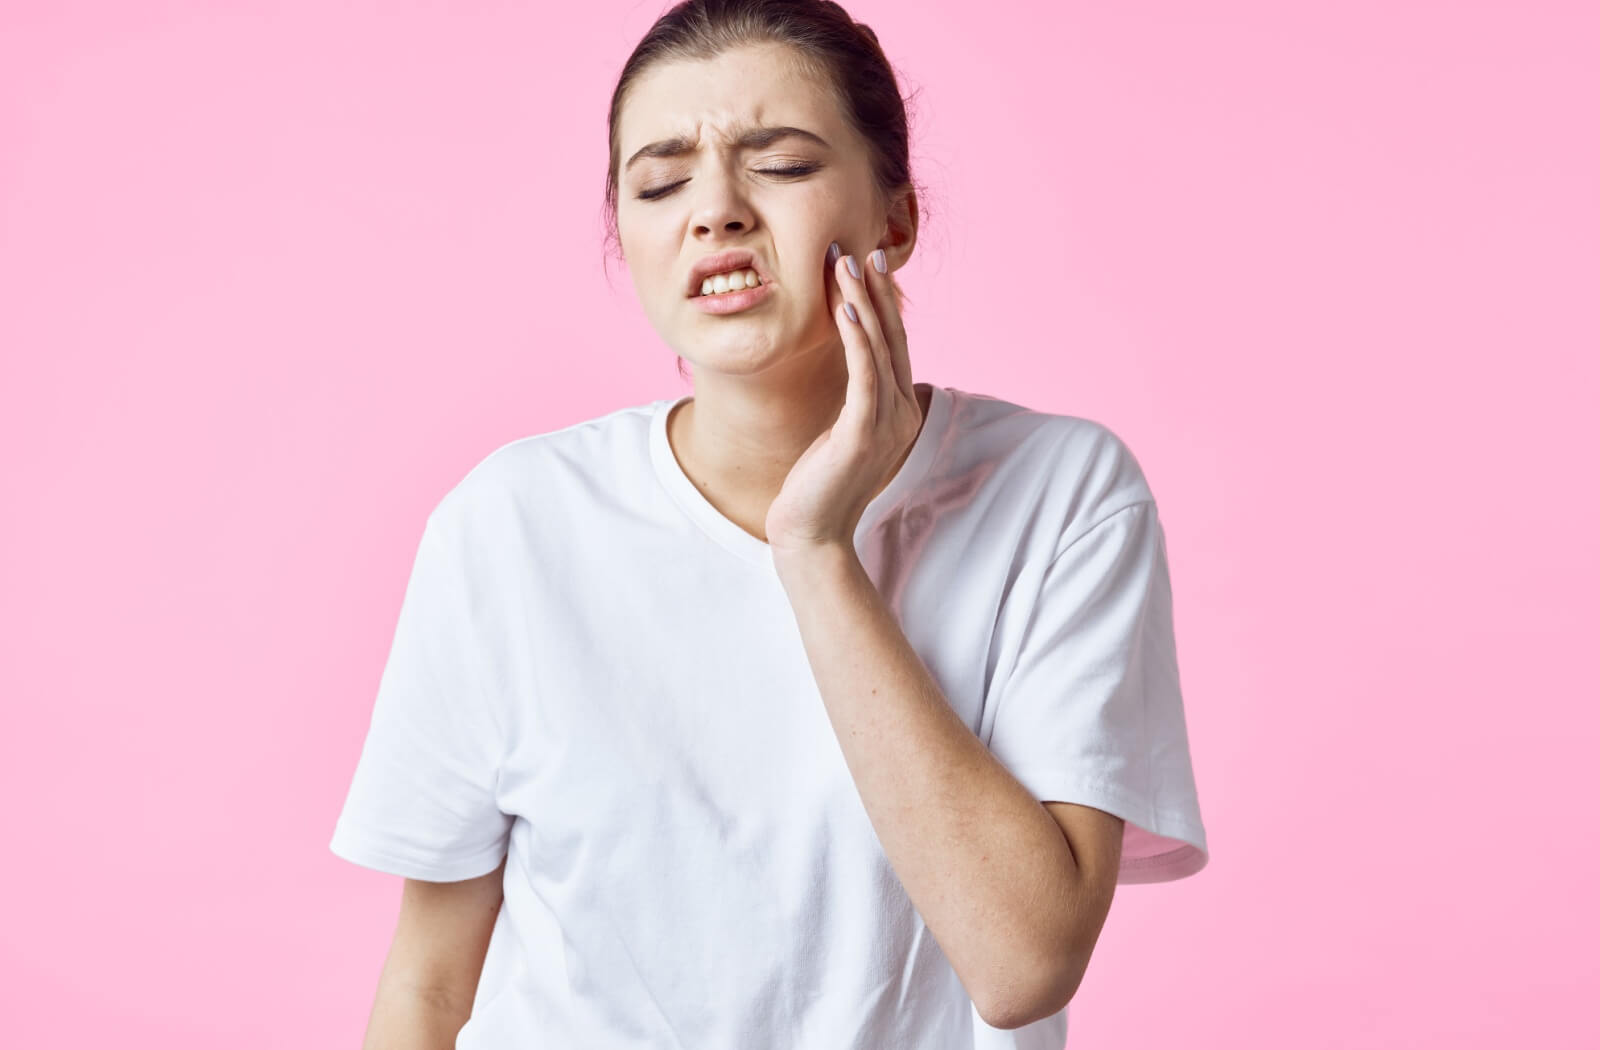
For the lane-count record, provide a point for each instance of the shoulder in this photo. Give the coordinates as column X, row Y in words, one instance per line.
column 521, row 480
column 1099, row 473
column 1073, row 471
column 1072, row 449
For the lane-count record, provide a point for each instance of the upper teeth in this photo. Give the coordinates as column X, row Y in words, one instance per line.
column 729, row 282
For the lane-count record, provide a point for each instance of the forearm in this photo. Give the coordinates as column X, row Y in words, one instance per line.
column 986, row 866
column 405, row 1017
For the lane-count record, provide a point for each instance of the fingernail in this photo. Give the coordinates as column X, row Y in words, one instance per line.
column 880, row 262
column 850, row 312
column 850, row 264
column 833, row 253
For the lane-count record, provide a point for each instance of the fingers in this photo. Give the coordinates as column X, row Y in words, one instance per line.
column 889, row 320
column 869, row 292
column 832, row 294
column 864, row 389
column 852, row 280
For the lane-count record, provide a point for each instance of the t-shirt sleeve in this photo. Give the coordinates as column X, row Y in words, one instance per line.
column 1090, row 710
column 422, row 803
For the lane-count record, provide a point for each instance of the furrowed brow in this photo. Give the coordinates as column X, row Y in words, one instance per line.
column 755, row 138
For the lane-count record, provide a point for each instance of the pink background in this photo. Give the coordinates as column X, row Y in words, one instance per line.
column 272, row 277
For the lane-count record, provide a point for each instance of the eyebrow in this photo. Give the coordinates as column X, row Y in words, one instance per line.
column 755, row 138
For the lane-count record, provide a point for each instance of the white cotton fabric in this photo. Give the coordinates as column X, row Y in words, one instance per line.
column 598, row 678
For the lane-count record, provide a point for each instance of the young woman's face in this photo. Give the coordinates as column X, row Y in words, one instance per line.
column 783, row 200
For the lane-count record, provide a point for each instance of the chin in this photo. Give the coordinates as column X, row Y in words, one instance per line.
column 736, row 356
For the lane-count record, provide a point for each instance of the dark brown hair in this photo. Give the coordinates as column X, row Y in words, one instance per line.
column 827, row 43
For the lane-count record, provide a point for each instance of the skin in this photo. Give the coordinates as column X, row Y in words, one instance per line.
column 769, row 382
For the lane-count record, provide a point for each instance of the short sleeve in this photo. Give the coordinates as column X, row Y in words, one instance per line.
column 1090, row 710
column 422, row 803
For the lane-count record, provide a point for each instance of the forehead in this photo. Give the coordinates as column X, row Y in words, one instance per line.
column 717, row 97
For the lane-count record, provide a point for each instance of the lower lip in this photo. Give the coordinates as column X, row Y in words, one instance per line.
column 731, row 302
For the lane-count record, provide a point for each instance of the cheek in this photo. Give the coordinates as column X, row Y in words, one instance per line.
column 839, row 200
column 650, row 263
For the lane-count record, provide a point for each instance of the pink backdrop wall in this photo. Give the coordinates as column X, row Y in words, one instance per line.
column 273, row 276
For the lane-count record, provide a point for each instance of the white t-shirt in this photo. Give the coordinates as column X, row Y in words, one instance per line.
column 596, row 673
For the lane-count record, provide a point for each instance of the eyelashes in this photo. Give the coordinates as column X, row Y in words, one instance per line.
column 793, row 171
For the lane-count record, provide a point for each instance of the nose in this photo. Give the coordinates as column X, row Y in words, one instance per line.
column 721, row 207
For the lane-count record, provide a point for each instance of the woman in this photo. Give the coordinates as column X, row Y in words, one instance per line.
column 817, row 709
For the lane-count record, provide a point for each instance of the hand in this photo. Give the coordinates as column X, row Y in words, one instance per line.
column 830, row 485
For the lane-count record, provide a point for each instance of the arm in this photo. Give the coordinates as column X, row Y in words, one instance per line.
column 431, row 974
column 1014, row 892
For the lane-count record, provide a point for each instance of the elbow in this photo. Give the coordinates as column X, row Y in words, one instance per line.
column 1058, row 983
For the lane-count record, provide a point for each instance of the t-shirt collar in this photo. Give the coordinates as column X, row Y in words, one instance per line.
column 741, row 543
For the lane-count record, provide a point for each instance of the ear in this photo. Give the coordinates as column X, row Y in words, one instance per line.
column 900, row 228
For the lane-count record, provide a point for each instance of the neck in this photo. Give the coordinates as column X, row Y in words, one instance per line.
column 737, row 443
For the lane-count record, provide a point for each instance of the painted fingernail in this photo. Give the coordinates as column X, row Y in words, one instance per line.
column 850, row 312
column 850, row 264
column 833, row 253
column 880, row 262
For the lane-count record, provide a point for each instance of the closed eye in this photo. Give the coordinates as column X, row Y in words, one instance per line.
column 793, row 171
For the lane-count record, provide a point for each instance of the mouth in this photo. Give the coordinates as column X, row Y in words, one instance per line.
column 733, row 301
column 734, row 270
